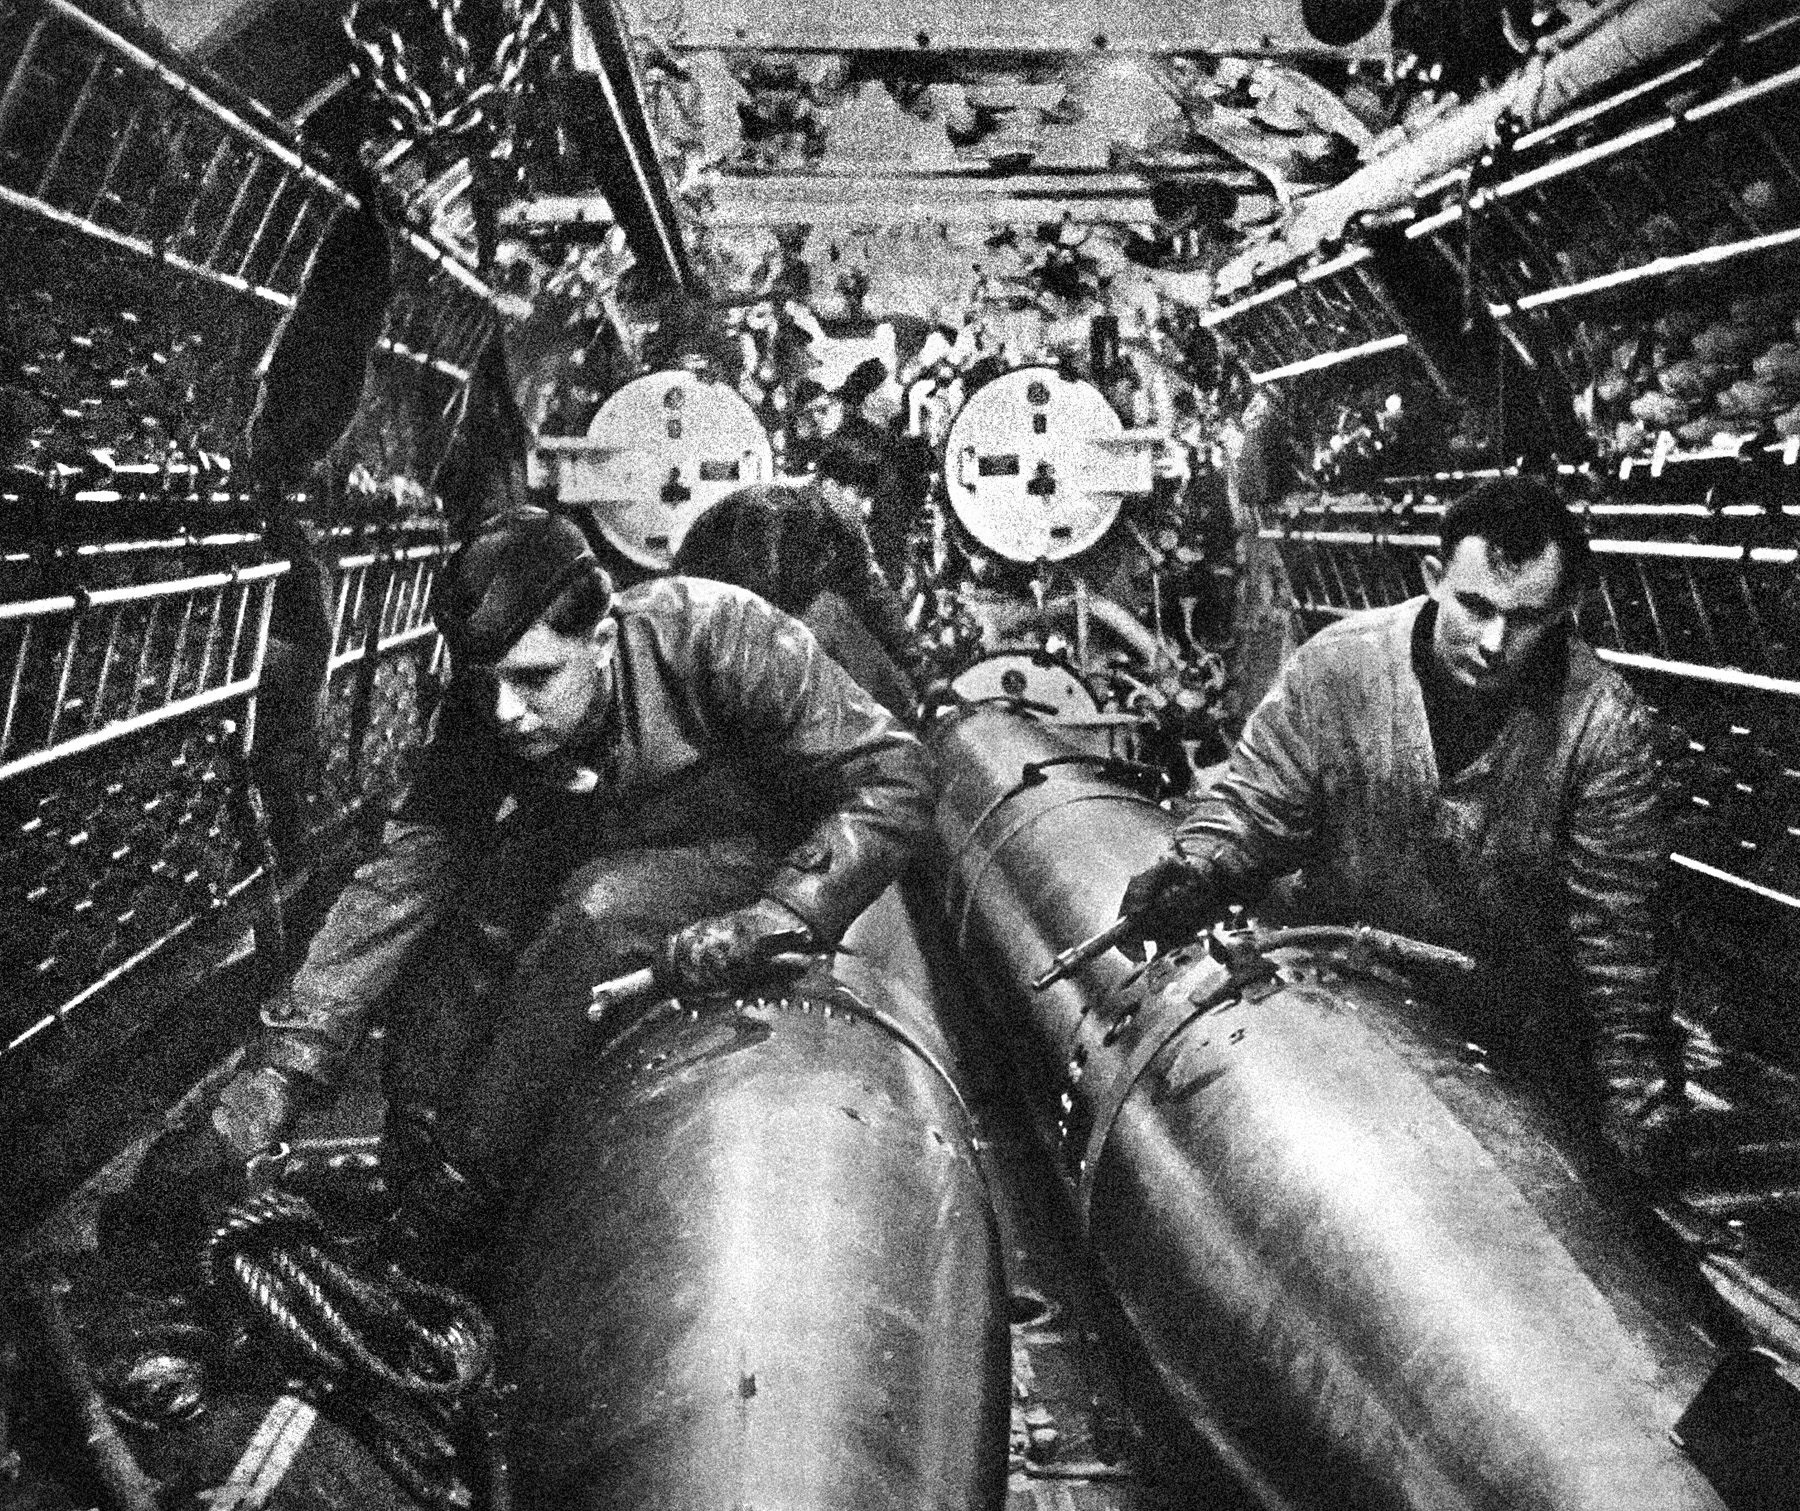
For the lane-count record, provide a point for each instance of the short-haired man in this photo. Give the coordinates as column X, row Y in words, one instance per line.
column 1462, row 768
column 675, row 771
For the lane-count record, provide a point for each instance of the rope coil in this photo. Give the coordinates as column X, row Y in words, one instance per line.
column 422, row 1340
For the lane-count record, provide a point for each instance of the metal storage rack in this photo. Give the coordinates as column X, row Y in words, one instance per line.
column 1343, row 554
column 438, row 320
column 385, row 653
column 1310, row 319
column 203, row 223
column 126, row 817
column 1605, row 198
column 98, row 135
column 1617, row 241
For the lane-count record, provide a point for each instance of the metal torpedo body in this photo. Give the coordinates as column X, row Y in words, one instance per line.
column 1359, row 1262
column 763, row 1269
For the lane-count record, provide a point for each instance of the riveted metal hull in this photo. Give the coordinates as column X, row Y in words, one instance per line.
column 1363, row 1265
column 766, row 1271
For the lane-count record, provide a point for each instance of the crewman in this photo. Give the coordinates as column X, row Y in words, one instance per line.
column 673, row 772
column 1462, row 768
column 787, row 544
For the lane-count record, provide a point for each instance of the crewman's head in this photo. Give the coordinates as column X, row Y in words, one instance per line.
column 847, row 475
column 784, row 543
column 524, row 607
column 1512, row 567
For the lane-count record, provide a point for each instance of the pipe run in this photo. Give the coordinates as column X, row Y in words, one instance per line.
column 1536, row 94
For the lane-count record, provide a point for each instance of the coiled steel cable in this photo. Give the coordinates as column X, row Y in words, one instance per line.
column 425, row 1343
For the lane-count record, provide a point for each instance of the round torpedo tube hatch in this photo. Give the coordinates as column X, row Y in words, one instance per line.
column 1037, row 465
column 661, row 451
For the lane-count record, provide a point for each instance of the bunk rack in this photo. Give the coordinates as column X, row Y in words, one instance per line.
column 161, row 236
column 435, row 328
column 386, row 655
column 128, row 714
column 1310, row 318
column 1648, row 246
column 1606, row 198
column 101, row 137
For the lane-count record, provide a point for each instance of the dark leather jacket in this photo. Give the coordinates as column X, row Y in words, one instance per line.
column 724, row 722
column 1543, row 858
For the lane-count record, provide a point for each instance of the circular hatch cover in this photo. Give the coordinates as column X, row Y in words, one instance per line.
column 669, row 445
column 1035, row 467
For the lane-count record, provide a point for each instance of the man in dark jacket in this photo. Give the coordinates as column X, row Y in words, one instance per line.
column 1462, row 768
column 786, row 544
column 675, row 772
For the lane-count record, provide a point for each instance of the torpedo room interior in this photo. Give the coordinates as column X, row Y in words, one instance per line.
column 900, row 756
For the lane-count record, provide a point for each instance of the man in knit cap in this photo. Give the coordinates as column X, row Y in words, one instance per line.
column 673, row 773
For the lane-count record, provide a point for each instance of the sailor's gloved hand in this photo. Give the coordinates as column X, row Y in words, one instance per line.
column 1170, row 902
column 255, row 1109
column 1646, row 1127
column 717, row 953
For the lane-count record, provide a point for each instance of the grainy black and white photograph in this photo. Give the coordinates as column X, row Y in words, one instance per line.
column 899, row 755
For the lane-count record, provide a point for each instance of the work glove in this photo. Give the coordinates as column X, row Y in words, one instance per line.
column 1646, row 1127
column 1169, row 902
column 255, row 1109
column 717, row 953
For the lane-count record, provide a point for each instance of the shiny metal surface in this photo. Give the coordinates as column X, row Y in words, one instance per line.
column 764, row 1271
column 1362, row 1259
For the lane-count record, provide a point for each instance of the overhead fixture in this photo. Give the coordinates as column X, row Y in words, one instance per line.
column 1338, row 23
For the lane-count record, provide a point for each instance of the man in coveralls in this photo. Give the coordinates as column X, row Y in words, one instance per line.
column 674, row 772
column 1463, row 769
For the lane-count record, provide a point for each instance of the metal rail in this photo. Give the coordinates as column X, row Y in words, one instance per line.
column 1279, row 332
column 1691, row 671
column 1743, row 884
column 1659, row 267
column 1329, row 359
column 101, row 660
column 405, row 613
column 128, row 965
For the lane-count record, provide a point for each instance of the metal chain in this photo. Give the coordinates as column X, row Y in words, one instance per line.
column 463, row 106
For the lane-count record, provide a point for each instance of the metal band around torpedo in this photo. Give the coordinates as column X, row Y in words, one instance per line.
column 1124, row 1082
column 969, row 887
column 900, row 1031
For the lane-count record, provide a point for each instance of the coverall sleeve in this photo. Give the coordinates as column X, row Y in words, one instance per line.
column 1615, row 870
column 394, row 898
column 848, row 759
column 1258, row 821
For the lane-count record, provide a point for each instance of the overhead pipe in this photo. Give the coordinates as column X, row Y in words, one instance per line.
column 1540, row 91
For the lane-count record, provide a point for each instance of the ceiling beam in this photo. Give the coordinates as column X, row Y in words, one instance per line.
column 883, row 200
column 635, row 185
column 1238, row 28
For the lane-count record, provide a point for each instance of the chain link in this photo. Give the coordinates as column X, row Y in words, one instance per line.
column 462, row 107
